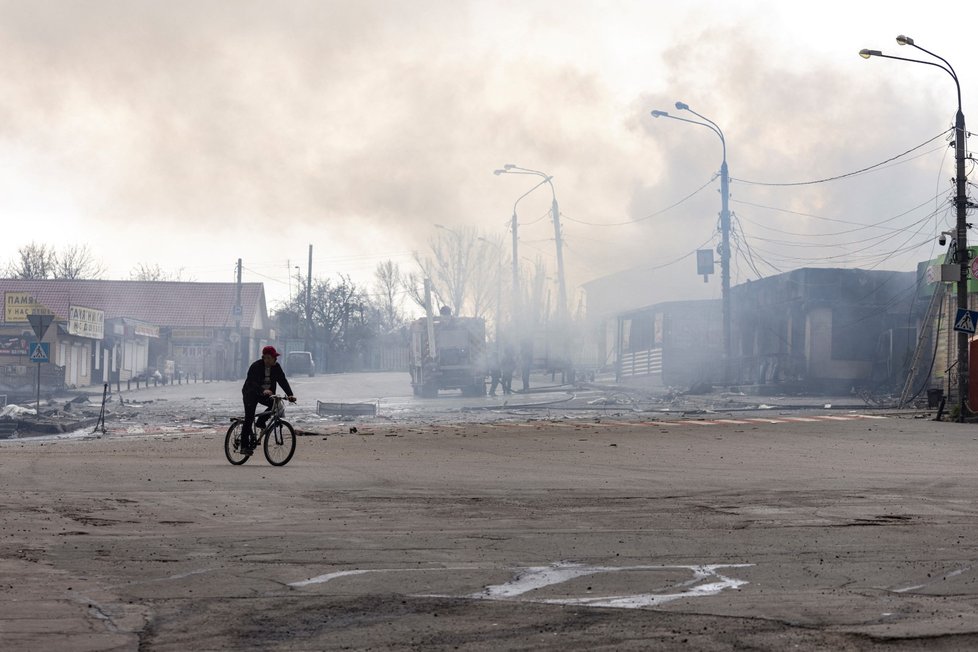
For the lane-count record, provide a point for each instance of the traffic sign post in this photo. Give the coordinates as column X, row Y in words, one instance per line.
column 966, row 321
column 40, row 324
column 39, row 352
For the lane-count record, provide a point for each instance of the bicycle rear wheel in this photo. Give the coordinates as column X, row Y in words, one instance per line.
column 232, row 445
column 280, row 443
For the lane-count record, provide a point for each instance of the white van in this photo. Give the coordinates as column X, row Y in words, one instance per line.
column 299, row 362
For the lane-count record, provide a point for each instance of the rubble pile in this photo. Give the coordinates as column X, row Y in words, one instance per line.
column 54, row 417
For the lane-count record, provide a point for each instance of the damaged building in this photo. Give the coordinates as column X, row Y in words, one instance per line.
column 807, row 330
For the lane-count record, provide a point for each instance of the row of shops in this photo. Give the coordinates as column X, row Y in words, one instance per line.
column 119, row 331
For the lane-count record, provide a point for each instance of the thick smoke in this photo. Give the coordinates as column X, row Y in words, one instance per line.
column 362, row 124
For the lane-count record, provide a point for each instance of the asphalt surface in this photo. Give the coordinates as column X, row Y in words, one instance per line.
column 630, row 524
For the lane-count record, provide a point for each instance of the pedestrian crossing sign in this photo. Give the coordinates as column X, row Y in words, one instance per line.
column 965, row 321
column 40, row 352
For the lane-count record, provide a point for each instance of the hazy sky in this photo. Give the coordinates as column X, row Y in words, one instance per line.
column 189, row 134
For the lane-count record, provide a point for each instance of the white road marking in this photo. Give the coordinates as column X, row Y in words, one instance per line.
column 706, row 580
column 945, row 576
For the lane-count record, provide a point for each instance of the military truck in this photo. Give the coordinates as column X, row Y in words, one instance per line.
column 448, row 352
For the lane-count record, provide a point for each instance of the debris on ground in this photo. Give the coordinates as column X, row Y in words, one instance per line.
column 13, row 411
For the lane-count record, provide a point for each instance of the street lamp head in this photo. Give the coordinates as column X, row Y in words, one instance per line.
column 682, row 106
column 865, row 54
column 498, row 172
column 508, row 166
column 904, row 40
column 658, row 114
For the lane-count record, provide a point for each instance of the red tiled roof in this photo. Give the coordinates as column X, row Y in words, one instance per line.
column 162, row 303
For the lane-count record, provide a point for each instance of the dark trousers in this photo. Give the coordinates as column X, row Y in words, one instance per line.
column 251, row 406
column 494, row 375
column 507, row 381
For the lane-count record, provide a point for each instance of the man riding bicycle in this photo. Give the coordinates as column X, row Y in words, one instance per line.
column 259, row 386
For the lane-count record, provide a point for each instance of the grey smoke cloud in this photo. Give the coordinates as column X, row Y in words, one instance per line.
column 353, row 119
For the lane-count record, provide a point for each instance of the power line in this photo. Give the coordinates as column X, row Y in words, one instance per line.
column 848, row 174
column 829, row 219
column 650, row 215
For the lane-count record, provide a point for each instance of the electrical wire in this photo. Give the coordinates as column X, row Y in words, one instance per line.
column 847, row 174
column 878, row 225
column 649, row 216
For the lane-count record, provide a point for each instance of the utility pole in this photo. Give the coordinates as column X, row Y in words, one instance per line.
column 237, row 323
column 960, row 202
column 516, row 269
column 309, row 304
column 561, row 284
column 725, row 265
column 724, row 230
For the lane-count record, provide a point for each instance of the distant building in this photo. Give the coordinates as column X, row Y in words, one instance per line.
column 675, row 343
column 807, row 330
column 113, row 331
column 606, row 298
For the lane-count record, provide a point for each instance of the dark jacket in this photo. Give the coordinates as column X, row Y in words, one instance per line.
column 256, row 378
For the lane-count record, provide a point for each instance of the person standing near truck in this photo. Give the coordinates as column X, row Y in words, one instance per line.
column 259, row 386
column 506, row 368
column 526, row 361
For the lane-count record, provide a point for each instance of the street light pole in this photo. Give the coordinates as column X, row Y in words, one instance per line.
column 509, row 168
column 961, row 205
column 724, row 229
column 555, row 216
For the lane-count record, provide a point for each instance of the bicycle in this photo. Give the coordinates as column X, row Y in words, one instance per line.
column 277, row 437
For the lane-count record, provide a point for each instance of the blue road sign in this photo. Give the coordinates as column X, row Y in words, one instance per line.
column 39, row 352
column 965, row 321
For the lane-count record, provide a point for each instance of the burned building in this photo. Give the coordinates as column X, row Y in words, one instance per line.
column 675, row 343
column 823, row 330
column 807, row 330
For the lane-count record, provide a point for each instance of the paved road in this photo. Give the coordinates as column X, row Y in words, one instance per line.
column 848, row 532
column 215, row 402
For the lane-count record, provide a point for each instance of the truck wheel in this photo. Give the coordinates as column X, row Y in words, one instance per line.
column 429, row 391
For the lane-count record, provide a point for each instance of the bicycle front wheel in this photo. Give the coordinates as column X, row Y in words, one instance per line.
column 232, row 445
column 280, row 443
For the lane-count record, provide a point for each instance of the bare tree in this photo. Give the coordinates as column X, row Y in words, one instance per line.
column 147, row 272
column 462, row 269
column 33, row 261
column 491, row 284
column 388, row 286
column 535, row 300
column 76, row 261
column 465, row 270
column 486, row 278
column 413, row 285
